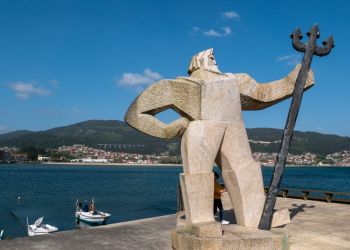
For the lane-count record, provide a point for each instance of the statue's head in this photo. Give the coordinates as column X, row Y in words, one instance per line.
column 204, row 60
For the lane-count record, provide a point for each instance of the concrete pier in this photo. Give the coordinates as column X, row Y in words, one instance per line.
column 314, row 225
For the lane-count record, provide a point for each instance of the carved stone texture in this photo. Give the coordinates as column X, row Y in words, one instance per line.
column 210, row 103
column 184, row 95
column 180, row 95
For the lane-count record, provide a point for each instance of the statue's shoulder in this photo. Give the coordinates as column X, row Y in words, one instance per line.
column 162, row 85
column 239, row 76
column 243, row 80
column 189, row 80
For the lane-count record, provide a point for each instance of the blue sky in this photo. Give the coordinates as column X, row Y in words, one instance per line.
column 64, row 62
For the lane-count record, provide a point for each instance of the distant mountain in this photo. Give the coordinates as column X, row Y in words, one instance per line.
column 120, row 137
column 90, row 133
column 15, row 134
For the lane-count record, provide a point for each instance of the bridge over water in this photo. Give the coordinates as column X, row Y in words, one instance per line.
column 120, row 146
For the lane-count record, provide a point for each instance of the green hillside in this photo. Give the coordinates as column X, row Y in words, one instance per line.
column 125, row 138
column 302, row 142
column 90, row 133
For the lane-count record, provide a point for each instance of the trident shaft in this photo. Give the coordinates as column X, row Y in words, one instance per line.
column 309, row 49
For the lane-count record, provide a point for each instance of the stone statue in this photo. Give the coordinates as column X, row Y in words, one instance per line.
column 210, row 103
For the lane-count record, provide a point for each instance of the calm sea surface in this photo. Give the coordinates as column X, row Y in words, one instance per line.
column 128, row 193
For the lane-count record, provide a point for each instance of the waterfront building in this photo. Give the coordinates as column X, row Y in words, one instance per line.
column 5, row 156
column 44, row 158
column 17, row 157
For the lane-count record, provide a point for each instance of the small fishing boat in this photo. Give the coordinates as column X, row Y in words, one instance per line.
column 38, row 228
column 89, row 214
column 2, row 231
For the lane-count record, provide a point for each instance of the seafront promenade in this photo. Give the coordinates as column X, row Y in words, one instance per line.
column 314, row 225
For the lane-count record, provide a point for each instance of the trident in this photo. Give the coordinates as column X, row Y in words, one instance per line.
column 309, row 49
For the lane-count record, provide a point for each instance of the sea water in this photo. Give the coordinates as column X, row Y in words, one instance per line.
column 128, row 193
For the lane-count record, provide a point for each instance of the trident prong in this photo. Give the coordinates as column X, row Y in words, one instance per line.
column 311, row 48
column 297, row 36
column 314, row 31
column 328, row 45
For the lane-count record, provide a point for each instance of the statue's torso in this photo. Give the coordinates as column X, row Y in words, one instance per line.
column 219, row 96
column 220, row 100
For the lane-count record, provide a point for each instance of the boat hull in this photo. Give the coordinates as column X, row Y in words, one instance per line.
column 46, row 229
column 90, row 218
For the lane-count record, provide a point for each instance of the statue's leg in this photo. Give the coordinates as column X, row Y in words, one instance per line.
column 242, row 176
column 199, row 147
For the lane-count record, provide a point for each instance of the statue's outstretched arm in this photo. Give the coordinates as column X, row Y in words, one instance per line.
column 181, row 96
column 255, row 96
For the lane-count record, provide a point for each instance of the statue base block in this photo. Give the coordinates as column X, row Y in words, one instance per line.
column 234, row 237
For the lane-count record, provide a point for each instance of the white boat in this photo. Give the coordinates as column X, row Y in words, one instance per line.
column 90, row 215
column 2, row 231
column 38, row 228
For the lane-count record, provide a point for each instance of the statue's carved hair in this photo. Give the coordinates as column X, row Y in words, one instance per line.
column 200, row 60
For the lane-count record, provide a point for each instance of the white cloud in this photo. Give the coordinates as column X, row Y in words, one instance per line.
column 136, row 79
column 25, row 90
column 226, row 31
column 290, row 60
column 211, row 33
column 230, row 14
column 223, row 31
column 54, row 82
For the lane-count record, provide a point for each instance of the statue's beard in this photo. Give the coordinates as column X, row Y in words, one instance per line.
column 213, row 68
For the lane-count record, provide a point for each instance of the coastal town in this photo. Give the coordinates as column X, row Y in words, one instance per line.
column 83, row 154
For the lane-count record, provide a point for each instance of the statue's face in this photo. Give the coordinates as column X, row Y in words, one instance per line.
column 212, row 64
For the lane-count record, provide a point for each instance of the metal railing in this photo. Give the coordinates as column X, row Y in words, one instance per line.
column 304, row 194
column 317, row 195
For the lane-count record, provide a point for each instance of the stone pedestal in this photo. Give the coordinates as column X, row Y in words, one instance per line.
column 233, row 237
